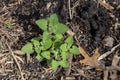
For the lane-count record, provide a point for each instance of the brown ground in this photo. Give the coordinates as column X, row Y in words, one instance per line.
column 94, row 22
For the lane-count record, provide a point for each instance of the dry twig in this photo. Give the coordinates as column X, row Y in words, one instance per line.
column 107, row 53
column 70, row 65
column 106, row 5
column 70, row 12
column 19, row 67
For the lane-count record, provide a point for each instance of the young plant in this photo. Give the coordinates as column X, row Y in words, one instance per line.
column 8, row 25
column 52, row 46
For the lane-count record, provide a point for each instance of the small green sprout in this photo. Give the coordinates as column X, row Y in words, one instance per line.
column 8, row 25
column 52, row 46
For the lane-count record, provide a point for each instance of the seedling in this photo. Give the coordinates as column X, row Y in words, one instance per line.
column 8, row 25
column 52, row 46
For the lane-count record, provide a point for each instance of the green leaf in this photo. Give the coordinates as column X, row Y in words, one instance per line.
column 63, row 47
column 46, row 36
column 55, row 52
column 47, row 44
column 53, row 20
column 64, row 63
column 28, row 48
column 64, row 55
column 55, row 64
column 58, row 37
column 60, row 28
column 56, row 44
column 49, row 62
column 37, row 50
column 69, row 41
column 46, row 54
column 35, row 42
column 52, row 29
column 39, row 57
column 74, row 50
column 42, row 24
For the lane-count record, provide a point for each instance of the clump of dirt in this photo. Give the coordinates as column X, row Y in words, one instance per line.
column 28, row 11
column 94, row 24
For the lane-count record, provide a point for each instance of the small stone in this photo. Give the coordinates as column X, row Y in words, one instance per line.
column 109, row 41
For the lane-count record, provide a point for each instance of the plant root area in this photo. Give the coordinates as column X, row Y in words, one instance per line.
column 96, row 28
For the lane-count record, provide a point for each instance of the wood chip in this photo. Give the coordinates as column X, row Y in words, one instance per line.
column 115, row 62
column 112, row 15
column 81, row 72
column 18, row 52
column 106, row 75
column 70, row 33
column 48, row 5
column 113, row 75
column 70, row 78
column 3, row 60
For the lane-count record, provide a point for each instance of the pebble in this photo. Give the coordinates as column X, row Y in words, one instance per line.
column 109, row 41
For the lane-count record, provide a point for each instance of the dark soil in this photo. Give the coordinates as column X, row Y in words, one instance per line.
column 91, row 22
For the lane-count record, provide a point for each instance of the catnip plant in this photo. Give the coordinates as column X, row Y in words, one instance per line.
column 52, row 46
